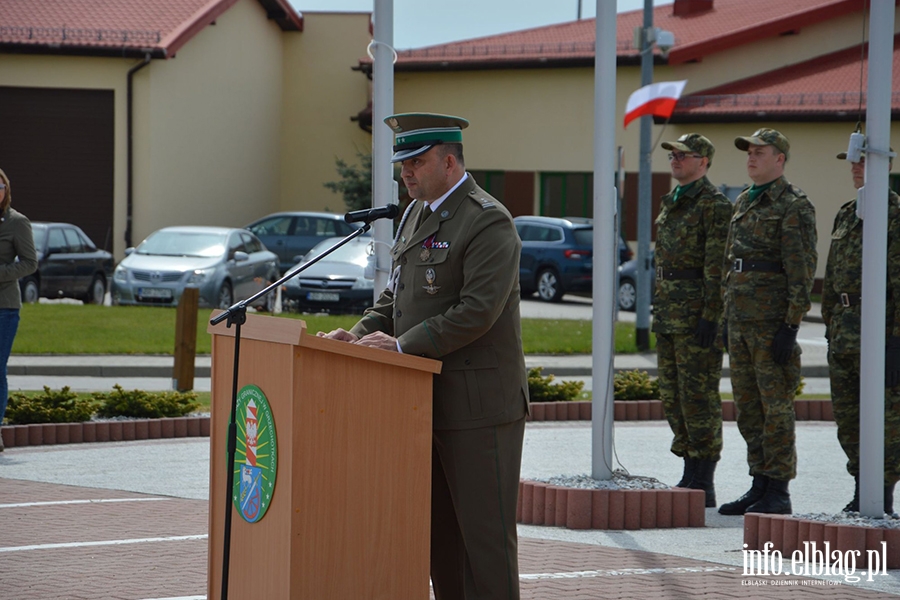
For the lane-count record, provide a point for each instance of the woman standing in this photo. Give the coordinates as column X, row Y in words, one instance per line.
column 17, row 259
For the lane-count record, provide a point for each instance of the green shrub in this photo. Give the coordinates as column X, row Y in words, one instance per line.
column 52, row 406
column 542, row 389
column 144, row 405
column 635, row 385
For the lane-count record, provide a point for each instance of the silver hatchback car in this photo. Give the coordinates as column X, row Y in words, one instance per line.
column 227, row 265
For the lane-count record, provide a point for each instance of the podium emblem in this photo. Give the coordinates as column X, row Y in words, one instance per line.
column 256, row 455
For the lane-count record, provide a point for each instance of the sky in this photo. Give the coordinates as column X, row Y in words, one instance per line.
column 419, row 23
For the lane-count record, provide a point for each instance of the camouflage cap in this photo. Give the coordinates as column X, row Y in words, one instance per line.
column 843, row 155
column 417, row 133
column 692, row 142
column 764, row 137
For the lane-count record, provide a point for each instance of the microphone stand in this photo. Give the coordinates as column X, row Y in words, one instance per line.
column 237, row 315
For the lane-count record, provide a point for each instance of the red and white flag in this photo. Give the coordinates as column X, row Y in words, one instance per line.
column 657, row 99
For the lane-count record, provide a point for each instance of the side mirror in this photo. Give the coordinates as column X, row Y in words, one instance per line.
column 129, row 251
column 240, row 256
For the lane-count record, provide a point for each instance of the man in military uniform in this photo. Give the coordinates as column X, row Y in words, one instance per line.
column 690, row 242
column 841, row 311
column 454, row 296
column 770, row 257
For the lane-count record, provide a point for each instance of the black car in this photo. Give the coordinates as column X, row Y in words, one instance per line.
column 627, row 294
column 69, row 265
column 293, row 234
column 557, row 255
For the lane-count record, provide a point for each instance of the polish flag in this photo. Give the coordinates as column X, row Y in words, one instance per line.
column 657, row 99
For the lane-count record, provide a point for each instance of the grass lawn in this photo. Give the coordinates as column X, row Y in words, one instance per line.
column 75, row 329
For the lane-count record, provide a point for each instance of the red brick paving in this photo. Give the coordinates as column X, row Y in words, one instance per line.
column 177, row 568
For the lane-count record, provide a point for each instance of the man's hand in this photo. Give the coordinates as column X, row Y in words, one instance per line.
column 379, row 339
column 783, row 344
column 892, row 362
column 706, row 333
column 342, row 335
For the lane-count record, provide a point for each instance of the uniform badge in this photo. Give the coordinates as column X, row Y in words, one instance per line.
column 425, row 254
column 429, row 279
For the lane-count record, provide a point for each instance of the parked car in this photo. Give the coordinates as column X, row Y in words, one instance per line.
column 627, row 293
column 293, row 234
column 227, row 265
column 336, row 283
column 557, row 255
column 69, row 265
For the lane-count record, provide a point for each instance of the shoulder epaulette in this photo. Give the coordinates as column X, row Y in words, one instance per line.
column 479, row 198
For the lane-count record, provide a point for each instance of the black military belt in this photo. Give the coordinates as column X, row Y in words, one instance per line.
column 850, row 299
column 741, row 265
column 679, row 274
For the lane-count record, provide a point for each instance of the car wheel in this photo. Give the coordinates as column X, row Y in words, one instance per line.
column 627, row 295
column 96, row 292
column 31, row 291
column 549, row 286
column 225, row 297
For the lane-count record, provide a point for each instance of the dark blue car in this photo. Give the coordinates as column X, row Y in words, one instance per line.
column 557, row 255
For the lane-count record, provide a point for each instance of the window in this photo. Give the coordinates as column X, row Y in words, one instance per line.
column 73, row 242
column 274, row 226
column 567, row 195
column 57, row 241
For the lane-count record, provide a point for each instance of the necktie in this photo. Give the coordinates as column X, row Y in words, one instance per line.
column 426, row 212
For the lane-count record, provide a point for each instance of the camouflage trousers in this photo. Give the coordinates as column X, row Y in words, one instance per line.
column 844, row 374
column 689, row 389
column 764, row 398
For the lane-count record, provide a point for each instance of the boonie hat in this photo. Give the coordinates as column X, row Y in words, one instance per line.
column 765, row 137
column 692, row 142
column 417, row 133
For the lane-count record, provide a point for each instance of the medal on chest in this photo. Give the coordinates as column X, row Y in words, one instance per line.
column 427, row 245
column 429, row 279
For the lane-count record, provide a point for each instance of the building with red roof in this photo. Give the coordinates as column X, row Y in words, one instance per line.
column 124, row 116
column 795, row 65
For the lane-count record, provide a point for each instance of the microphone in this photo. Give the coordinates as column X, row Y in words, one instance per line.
column 368, row 215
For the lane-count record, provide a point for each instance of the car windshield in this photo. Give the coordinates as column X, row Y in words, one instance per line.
column 353, row 252
column 584, row 236
column 183, row 243
column 39, row 232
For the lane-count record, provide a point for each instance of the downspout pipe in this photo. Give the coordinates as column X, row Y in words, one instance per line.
column 129, row 211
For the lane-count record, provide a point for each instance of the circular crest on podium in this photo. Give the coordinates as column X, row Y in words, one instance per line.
column 256, row 455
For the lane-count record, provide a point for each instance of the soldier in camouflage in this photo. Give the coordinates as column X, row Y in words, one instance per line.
column 770, row 259
column 690, row 242
column 841, row 312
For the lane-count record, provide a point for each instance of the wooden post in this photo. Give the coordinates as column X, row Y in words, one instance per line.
column 185, row 340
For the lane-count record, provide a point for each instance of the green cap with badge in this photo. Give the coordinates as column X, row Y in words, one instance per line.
column 765, row 137
column 417, row 133
column 692, row 142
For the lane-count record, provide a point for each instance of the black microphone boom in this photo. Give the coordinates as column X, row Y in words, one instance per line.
column 368, row 215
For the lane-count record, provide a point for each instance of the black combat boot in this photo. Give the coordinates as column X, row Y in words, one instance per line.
column 889, row 501
column 754, row 494
column 703, row 480
column 853, row 505
column 776, row 501
column 689, row 465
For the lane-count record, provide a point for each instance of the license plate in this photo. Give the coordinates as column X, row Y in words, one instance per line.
column 323, row 296
column 154, row 292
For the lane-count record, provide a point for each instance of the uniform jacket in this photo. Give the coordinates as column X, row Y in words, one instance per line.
column 779, row 226
column 458, row 301
column 843, row 275
column 16, row 241
column 690, row 235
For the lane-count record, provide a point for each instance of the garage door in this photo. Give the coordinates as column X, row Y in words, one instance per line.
column 56, row 146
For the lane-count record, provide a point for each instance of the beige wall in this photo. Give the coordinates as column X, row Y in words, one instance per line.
column 208, row 127
column 321, row 93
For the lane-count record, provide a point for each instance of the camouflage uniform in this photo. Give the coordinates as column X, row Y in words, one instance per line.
column 778, row 226
column 841, row 312
column 691, row 236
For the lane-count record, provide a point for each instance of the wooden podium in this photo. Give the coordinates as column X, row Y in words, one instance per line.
column 350, row 512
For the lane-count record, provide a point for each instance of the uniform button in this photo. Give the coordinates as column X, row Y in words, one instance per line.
column 399, row 314
column 402, row 286
column 468, row 362
column 403, row 261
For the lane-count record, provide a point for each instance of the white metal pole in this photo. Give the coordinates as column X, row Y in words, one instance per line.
column 874, row 267
column 605, row 247
column 382, row 136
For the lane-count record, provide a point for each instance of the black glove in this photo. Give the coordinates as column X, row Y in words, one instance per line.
column 783, row 344
column 725, row 334
column 705, row 335
column 892, row 362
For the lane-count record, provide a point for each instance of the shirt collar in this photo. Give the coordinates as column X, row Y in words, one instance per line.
column 434, row 204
